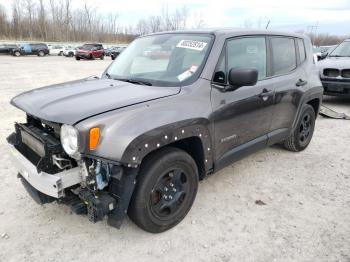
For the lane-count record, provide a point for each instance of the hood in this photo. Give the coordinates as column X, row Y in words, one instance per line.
column 335, row 62
column 83, row 50
column 71, row 102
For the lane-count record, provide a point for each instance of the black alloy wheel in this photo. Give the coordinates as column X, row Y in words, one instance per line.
column 300, row 138
column 165, row 190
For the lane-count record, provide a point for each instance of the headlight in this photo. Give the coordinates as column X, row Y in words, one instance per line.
column 69, row 139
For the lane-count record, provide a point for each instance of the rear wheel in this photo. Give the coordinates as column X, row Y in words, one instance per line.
column 102, row 57
column 92, row 57
column 17, row 53
column 166, row 188
column 60, row 53
column 41, row 53
column 77, row 58
column 301, row 137
column 71, row 54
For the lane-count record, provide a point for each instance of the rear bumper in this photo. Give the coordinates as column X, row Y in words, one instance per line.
column 336, row 88
column 49, row 184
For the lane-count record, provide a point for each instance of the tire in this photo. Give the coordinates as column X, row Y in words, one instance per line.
column 166, row 188
column 17, row 53
column 60, row 53
column 92, row 57
column 77, row 58
column 302, row 135
column 102, row 57
column 71, row 54
column 112, row 57
column 41, row 53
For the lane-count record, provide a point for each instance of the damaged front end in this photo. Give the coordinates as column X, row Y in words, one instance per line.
column 92, row 186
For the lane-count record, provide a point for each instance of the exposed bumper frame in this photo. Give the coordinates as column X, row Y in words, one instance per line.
column 49, row 184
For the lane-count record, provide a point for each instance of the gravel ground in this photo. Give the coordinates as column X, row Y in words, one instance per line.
column 307, row 197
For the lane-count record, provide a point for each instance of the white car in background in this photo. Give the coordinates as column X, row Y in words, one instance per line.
column 69, row 51
column 56, row 49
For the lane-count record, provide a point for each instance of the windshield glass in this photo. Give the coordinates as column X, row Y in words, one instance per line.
column 87, row 47
column 165, row 59
column 342, row 50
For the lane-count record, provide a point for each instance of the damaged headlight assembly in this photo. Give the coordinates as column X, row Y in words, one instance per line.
column 69, row 139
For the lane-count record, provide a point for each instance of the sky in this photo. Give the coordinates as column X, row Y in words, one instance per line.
column 330, row 16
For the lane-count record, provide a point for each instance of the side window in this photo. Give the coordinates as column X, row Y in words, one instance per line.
column 247, row 52
column 220, row 75
column 301, row 48
column 283, row 55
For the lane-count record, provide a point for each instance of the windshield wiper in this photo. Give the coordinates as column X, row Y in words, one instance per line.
column 338, row 55
column 134, row 81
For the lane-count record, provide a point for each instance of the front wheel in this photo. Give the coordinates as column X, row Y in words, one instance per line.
column 17, row 53
column 41, row 53
column 166, row 188
column 301, row 137
column 102, row 57
column 77, row 58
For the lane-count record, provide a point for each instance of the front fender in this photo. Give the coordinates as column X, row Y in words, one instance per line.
column 169, row 134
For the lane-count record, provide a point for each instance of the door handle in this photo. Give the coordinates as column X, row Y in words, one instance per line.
column 301, row 82
column 265, row 93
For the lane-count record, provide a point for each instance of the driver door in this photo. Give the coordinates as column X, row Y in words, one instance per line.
column 242, row 117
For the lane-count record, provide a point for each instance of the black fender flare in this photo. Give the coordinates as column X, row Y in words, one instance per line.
column 313, row 93
column 166, row 135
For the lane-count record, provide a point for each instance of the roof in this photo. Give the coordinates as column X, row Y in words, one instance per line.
column 232, row 32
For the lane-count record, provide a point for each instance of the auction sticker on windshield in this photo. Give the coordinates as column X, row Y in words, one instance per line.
column 192, row 44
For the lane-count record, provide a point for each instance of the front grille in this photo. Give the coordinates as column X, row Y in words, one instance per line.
column 345, row 73
column 331, row 72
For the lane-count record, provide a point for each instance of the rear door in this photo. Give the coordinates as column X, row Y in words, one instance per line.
column 34, row 49
column 243, row 115
column 288, row 57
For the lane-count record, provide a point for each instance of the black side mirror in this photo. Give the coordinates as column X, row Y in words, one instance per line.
column 238, row 77
column 323, row 55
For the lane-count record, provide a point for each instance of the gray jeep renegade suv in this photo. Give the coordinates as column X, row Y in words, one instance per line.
column 172, row 109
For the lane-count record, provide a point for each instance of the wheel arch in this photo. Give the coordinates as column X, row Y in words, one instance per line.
column 194, row 139
column 315, row 103
column 311, row 97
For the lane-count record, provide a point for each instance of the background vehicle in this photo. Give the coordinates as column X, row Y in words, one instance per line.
column 335, row 71
column 56, row 49
column 90, row 51
column 38, row 49
column 116, row 51
column 108, row 50
column 323, row 51
column 70, row 51
column 155, row 52
column 139, row 139
column 6, row 49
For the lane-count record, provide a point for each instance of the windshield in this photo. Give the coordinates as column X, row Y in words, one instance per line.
column 341, row 50
column 165, row 59
column 87, row 47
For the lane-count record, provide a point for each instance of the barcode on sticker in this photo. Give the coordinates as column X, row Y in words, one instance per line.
column 192, row 44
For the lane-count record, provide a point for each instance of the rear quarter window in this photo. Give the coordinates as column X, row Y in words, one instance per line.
column 283, row 55
column 301, row 49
